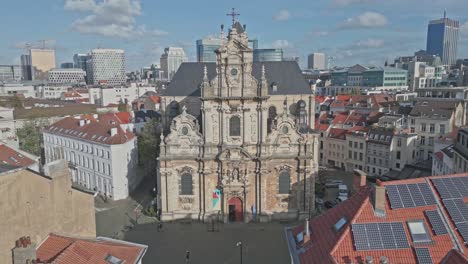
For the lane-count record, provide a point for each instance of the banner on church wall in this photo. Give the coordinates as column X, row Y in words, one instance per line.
column 216, row 199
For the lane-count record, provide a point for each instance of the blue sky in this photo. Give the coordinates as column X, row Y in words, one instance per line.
column 352, row 31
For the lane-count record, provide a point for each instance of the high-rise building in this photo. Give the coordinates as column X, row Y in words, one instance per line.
column 67, row 65
column 260, row 55
column 317, row 61
column 10, row 73
column 106, row 66
column 41, row 61
column 79, row 61
column 170, row 61
column 26, row 69
column 206, row 49
column 442, row 39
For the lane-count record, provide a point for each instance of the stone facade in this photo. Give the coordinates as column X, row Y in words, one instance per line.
column 253, row 149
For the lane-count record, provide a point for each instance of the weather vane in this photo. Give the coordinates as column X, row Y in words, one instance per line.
column 233, row 14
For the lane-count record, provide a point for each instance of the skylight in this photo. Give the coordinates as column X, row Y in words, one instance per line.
column 419, row 231
column 340, row 223
column 113, row 260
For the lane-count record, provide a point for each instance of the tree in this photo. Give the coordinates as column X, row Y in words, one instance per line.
column 30, row 137
column 148, row 144
column 122, row 106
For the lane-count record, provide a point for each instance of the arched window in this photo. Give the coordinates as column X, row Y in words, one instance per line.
column 271, row 118
column 284, row 182
column 186, row 183
column 234, row 126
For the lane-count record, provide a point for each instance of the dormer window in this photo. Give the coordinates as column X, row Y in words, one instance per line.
column 274, row 87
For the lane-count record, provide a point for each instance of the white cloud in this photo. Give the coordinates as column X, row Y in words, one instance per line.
column 342, row 3
column 110, row 18
column 282, row 15
column 365, row 20
column 370, row 43
column 320, row 33
column 79, row 5
column 281, row 44
column 464, row 29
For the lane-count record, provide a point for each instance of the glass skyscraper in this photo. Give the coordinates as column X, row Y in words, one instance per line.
column 442, row 39
column 260, row 55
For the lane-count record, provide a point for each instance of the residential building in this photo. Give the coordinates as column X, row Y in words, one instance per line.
column 356, row 142
column 421, row 75
column 403, row 150
column 39, row 204
column 417, row 222
column 431, row 118
column 317, row 61
column 102, row 155
column 460, row 154
column 171, row 60
column 13, row 89
column 335, row 148
column 63, row 249
column 262, row 55
column 8, row 126
column 206, row 49
column 442, row 163
column 104, row 96
column 460, row 93
column 9, row 73
column 41, row 62
column 442, row 39
column 385, row 78
column 66, row 76
column 52, row 91
column 379, row 150
column 106, row 67
column 241, row 105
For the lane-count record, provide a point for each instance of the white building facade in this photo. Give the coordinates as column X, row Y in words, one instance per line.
column 106, row 66
column 114, row 95
column 62, row 76
column 101, row 155
column 171, row 60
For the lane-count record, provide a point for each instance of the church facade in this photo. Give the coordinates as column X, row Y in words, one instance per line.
column 238, row 143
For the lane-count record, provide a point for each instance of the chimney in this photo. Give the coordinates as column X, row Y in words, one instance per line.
column 82, row 122
column 88, row 121
column 379, row 199
column 95, row 116
column 24, row 251
column 383, row 260
column 369, row 260
column 306, row 231
column 360, row 179
column 113, row 131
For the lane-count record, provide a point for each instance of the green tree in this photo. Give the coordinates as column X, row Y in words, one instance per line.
column 122, row 107
column 30, row 137
column 148, row 145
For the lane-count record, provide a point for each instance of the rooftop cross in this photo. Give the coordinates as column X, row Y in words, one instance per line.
column 233, row 14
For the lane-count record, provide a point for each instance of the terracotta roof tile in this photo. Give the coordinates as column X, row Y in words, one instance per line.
column 12, row 158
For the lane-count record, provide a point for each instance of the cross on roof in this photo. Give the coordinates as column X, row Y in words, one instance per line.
column 233, row 14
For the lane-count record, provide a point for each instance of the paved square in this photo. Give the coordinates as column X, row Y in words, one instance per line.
column 262, row 243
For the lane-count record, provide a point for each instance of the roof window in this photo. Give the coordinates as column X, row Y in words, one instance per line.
column 342, row 222
column 418, row 231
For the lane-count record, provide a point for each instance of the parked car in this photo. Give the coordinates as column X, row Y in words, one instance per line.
column 333, row 183
column 343, row 190
column 340, row 199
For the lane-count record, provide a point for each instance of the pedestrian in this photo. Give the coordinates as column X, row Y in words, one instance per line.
column 254, row 213
column 160, row 226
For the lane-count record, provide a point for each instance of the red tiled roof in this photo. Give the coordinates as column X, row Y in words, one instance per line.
column 455, row 257
column 68, row 250
column 92, row 130
column 11, row 157
column 319, row 99
column 124, row 117
column 344, row 98
column 155, row 99
column 337, row 133
column 340, row 118
column 328, row 246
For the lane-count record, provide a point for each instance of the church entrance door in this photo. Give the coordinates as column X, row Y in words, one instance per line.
column 235, row 209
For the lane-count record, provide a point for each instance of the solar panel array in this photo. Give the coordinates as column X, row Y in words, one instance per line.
column 372, row 236
column 423, row 255
column 410, row 195
column 436, row 222
column 453, row 190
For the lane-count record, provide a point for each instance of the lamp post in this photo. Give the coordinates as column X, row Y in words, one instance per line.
column 239, row 244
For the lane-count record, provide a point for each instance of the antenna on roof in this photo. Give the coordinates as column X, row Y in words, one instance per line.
column 445, row 13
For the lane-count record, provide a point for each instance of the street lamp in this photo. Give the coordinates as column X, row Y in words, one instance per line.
column 239, row 244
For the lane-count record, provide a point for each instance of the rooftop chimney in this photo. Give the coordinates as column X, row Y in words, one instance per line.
column 360, row 179
column 82, row 122
column 306, row 231
column 379, row 199
column 24, row 251
column 369, row 260
column 383, row 260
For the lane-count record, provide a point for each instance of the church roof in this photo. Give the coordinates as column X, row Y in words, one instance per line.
column 285, row 74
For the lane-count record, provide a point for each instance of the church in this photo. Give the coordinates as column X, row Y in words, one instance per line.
column 238, row 144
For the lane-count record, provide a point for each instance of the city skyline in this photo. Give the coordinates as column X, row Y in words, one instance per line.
column 352, row 31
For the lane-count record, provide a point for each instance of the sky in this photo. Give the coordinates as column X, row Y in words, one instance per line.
column 351, row 31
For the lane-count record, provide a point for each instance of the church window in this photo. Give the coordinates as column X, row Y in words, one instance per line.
column 186, row 184
column 184, row 130
column 284, row 129
column 284, row 182
column 234, row 126
column 271, row 118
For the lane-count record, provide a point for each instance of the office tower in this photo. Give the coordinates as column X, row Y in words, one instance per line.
column 26, row 69
column 41, row 61
column 317, row 61
column 67, row 65
column 206, row 49
column 253, row 44
column 260, row 55
column 10, row 73
column 442, row 39
column 170, row 61
column 79, row 61
column 106, row 66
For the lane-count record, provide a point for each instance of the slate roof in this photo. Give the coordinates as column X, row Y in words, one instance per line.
column 285, row 74
column 329, row 246
column 67, row 250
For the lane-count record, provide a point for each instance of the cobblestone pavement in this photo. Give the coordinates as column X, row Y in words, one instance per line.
column 262, row 243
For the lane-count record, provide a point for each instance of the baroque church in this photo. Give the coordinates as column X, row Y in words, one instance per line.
column 238, row 144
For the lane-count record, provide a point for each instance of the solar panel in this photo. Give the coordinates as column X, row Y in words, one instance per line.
column 436, row 222
column 453, row 208
column 463, row 230
column 442, row 188
column 423, row 255
column 372, row 236
column 410, row 195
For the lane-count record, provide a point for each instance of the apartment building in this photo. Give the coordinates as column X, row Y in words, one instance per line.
column 460, row 161
column 356, row 146
column 379, row 145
